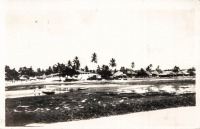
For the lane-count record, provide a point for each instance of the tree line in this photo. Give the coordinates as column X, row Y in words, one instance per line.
column 72, row 67
column 69, row 69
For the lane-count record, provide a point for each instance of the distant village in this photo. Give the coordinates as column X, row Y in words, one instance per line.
column 72, row 72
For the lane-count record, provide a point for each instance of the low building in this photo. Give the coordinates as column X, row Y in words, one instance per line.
column 54, row 77
column 82, row 72
column 131, row 73
column 119, row 75
column 23, row 78
column 155, row 73
column 82, row 75
column 32, row 78
column 167, row 74
column 41, row 77
column 186, row 73
column 180, row 73
column 149, row 74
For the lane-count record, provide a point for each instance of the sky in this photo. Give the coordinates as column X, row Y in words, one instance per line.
column 40, row 33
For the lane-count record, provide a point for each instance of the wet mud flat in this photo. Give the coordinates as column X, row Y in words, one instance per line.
column 88, row 104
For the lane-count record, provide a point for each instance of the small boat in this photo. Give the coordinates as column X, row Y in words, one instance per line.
column 82, row 88
column 48, row 91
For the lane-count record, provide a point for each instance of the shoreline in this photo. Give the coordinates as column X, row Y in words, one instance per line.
column 32, row 83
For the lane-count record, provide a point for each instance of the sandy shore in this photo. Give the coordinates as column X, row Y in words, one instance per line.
column 182, row 117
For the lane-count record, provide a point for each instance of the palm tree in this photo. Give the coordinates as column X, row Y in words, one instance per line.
column 191, row 71
column 23, row 70
column 86, row 69
column 57, row 68
column 122, row 69
column 132, row 65
column 50, row 70
column 112, row 63
column 69, row 64
column 105, row 72
column 30, row 72
column 158, row 69
column 149, row 68
column 76, row 63
column 94, row 58
column 11, row 74
column 176, row 69
column 98, row 69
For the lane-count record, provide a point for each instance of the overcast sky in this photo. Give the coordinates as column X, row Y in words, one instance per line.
column 41, row 33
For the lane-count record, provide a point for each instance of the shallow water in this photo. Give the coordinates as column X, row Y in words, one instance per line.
column 162, row 88
column 140, row 89
column 36, row 92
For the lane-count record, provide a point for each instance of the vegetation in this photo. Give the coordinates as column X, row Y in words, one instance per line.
column 149, row 68
column 112, row 63
column 26, row 71
column 78, row 105
column 94, row 58
column 142, row 73
column 11, row 74
column 86, row 69
column 98, row 69
column 123, row 69
column 176, row 69
column 69, row 64
column 76, row 63
column 105, row 72
column 191, row 71
column 158, row 69
column 132, row 65
column 71, row 68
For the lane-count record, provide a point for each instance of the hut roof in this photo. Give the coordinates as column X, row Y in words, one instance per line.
column 180, row 73
column 82, row 72
column 167, row 73
column 155, row 72
column 131, row 72
column 119, row 73
column 185, row 72
column 23, row 77
column 149, row 73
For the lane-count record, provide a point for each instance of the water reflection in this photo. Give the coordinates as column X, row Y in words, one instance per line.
column 140, row 89
column 50, row 89
column 37, row 91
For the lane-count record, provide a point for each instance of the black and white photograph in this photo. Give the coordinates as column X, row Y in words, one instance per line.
column 105, row 64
